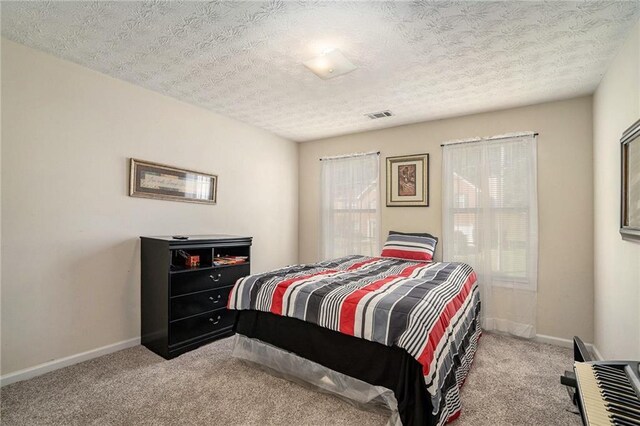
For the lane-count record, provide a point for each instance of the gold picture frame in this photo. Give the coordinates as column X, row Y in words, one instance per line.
column 630, row 183
column 408, row 181
column 163, row 182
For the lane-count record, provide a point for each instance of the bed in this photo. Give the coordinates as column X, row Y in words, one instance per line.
column 404, row 325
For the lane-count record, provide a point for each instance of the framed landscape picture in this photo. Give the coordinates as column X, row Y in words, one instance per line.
column 630, row 185
column 408, row 181
column 153, row 180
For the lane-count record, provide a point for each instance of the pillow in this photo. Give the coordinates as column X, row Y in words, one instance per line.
column 410, row 246
column 424, row 234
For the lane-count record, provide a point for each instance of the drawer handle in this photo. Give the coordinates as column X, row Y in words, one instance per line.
column 215, row 300
column 215, row 279
column 217, row 321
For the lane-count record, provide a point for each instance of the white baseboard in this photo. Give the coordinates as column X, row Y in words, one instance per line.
column 555, row 341
column 56, row 364
column 565, row 343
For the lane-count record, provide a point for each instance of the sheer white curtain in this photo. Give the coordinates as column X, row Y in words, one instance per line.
column 490, row 221
column 350, row 206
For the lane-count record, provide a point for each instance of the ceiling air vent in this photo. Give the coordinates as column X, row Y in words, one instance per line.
column 381, row 114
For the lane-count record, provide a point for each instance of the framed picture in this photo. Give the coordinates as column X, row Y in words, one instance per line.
column 408, row 181
column 630, row 188
column 152, row 180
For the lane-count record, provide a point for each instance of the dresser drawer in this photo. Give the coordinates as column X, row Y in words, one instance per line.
column 192, row 304
column 191, row 281
column 200, row 325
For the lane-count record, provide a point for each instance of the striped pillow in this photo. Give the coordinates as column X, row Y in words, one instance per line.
column 412, row 247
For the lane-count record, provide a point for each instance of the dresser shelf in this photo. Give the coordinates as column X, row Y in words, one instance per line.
column 182, row 269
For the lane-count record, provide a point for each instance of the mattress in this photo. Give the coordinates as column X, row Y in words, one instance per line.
column 427, row 310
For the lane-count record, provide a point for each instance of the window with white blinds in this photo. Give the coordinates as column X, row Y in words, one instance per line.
column 350, row 206
column 490, row 219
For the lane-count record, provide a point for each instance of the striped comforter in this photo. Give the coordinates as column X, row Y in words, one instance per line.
column 428, row 309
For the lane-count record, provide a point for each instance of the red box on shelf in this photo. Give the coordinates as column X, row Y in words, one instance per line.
column 192, row 261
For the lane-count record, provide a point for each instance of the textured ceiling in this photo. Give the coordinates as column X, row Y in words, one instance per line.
column 421, row 60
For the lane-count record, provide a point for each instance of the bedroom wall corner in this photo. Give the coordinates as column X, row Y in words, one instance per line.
column 70, row 241
column 616, row 262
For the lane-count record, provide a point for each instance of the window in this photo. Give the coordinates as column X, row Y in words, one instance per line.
column 350, row 206
column 490, row 217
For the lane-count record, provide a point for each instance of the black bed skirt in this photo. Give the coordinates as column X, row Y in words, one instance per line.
column 371, row 362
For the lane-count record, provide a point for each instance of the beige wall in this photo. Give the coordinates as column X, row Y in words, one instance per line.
column 0, row 207
column 616, row 105
column 70, row 264
column 565, row 190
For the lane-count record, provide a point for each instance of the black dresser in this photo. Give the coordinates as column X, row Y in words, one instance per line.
column 184, row 306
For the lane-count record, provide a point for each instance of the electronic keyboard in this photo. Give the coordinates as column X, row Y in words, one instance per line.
column 608, row 392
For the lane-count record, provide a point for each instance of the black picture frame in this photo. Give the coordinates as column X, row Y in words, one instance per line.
column 630, row 183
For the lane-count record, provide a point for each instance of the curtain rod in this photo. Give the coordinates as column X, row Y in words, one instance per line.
column 359, row 154
column 518, row 135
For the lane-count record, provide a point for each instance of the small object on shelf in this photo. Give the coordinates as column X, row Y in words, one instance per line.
column 179, row 237
column 190, row 261
column 229, row 260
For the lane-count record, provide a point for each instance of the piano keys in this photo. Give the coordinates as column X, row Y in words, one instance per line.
column 608, row 392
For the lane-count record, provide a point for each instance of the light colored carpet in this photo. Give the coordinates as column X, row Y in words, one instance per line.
column 512, row 382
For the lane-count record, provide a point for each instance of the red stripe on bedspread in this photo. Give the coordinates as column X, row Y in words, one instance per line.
column 442, row 323
column 281, row 289
column 454, row 416
column 350, row 304
column 361, row 264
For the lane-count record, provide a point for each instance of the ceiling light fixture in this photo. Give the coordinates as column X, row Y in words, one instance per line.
column 330, row 64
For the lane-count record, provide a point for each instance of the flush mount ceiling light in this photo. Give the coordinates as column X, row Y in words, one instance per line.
column 330, row 64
